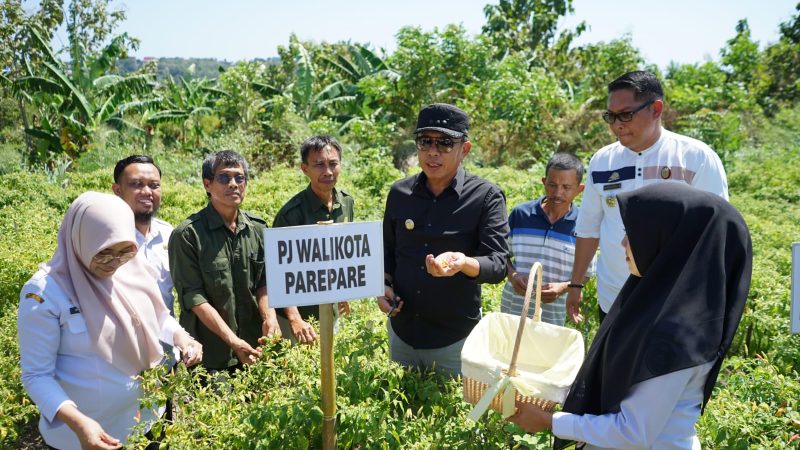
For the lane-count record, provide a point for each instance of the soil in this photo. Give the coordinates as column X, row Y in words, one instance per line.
column 30, row 438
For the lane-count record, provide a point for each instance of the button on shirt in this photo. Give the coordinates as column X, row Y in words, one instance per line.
column 305, row 208
column 469, row 216
column 615, row 169
column 534, row 239
column 154, row 247
column 211, row 264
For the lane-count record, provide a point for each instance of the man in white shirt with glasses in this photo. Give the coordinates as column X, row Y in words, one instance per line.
column 645, row 153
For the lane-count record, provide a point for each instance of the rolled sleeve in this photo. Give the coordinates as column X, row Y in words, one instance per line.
column 492, row 248
column 39, row 335
column 185, row 267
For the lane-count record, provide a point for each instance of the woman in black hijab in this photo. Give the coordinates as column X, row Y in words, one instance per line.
column 655, row 359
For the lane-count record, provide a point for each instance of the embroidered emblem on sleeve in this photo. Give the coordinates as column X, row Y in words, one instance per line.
column 36, row 297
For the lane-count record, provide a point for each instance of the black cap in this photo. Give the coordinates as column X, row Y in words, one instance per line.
column 444, row 118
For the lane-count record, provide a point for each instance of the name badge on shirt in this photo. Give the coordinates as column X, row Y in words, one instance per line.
column 74, row 310
column 609, row 187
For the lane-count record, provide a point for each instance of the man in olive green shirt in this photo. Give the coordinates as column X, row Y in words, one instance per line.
column 319, row 202
column 217, row 261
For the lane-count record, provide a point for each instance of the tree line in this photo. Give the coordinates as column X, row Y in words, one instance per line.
column 529, row 90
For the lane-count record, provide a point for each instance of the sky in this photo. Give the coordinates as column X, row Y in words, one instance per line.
column 684, row 31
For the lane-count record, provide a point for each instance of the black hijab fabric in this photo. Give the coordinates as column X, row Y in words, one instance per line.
column 694, row 253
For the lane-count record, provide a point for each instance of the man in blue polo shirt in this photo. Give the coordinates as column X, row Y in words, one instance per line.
column 544, row 230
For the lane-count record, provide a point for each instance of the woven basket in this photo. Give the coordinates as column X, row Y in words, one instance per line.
column 550, row 359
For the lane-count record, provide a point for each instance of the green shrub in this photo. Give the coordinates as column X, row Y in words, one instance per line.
column 722, row 131
column 15, row 406
column 753, row 406
column 11, row 158
column 276, row 402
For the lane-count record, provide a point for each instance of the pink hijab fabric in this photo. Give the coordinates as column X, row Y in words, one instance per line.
column 121, row 311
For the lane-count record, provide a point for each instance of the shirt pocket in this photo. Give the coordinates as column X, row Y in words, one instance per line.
column 76, row 324
column 256, row 263
column 74, row 336
column 218, row 281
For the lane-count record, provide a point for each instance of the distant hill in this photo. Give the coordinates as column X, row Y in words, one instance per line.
column 203, row 67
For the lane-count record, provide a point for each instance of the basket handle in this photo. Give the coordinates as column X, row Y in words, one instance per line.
column 537, row 313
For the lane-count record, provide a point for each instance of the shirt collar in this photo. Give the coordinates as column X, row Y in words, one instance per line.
column 572, row 214
column 457, row 183
column 156, row 234
column 656, row 144
column 315, row 203
column 215, row 220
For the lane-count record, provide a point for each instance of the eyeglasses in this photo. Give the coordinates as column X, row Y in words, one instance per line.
column 224, row 178
column 445, row 145
column 105, row 257
column 611, row 117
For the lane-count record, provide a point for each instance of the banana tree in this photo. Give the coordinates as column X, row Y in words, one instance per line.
column 356, row 64
column 71, row 105
column 341, row 99
column 185, row 103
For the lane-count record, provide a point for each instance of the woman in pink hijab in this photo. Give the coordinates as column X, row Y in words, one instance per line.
column 89, row 322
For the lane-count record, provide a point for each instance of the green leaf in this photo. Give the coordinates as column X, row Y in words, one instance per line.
column 39, row 84
column 44, row 135
column 83, row 105
column 265, row 89
column 43, row 44
column 106, row 81
column 305, row 74
column 170, row 115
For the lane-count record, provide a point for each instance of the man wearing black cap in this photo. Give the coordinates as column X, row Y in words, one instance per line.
column 444, row 233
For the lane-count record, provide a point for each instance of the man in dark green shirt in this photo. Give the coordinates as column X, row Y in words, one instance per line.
column 319, row 202
column 217, row 261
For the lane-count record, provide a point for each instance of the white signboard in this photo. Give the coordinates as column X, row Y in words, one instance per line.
column 316, row 264
column 795, row 320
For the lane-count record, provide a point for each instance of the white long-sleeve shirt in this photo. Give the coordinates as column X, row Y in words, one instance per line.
column 154, row 247
column 59, row 366
column 615, row 169
column 659, row 414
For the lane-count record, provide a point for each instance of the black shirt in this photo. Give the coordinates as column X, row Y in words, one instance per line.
column 469, row 216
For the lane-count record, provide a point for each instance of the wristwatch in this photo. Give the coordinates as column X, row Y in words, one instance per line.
column 575, row 285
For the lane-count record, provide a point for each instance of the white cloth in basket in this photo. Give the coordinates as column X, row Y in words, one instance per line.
column 549, row 355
